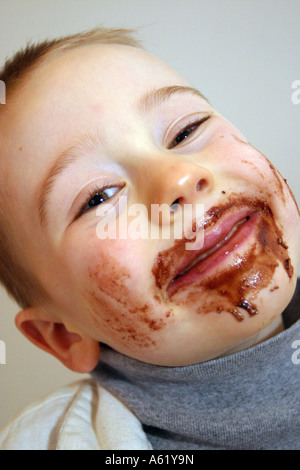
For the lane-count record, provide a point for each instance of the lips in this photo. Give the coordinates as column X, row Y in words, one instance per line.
column 220, row 243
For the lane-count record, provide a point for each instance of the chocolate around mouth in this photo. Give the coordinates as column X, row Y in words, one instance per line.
column 203, row 255
column 231, row 287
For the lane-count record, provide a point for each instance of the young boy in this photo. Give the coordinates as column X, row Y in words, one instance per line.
column 195, row 352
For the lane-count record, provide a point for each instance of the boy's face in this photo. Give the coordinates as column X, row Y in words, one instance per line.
column 148, row 298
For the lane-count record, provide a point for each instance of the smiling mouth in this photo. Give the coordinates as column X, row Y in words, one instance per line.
column 204, row 255
column 220, row 244
column 242, row 248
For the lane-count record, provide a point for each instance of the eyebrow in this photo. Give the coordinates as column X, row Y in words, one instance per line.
column 151, row 99
column 156, row 97
column 61, row 163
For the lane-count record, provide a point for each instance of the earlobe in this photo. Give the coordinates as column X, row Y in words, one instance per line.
column 79, row 353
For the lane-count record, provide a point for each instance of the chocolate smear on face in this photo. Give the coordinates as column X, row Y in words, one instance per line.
column 292, row 196
column 248, row 306
column 239, row 139
column 115, row 307
column 234, row 286
column 278, row 178
column 276, row 173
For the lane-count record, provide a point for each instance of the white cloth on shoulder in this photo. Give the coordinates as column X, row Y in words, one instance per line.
column 80, row 416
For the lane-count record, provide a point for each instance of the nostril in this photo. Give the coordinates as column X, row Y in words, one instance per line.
column 202, row 184
column 175, row 205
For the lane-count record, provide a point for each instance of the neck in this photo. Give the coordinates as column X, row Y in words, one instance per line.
column 268, row 332
column 233, row 402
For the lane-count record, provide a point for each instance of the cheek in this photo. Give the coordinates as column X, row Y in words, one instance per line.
column 122, row 309
column 271, row 183
column 253, row 162
column 253, row 170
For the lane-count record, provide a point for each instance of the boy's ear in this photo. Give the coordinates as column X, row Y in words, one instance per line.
column 76, row 351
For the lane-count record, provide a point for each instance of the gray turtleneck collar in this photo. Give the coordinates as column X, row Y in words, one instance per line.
column 248, row 400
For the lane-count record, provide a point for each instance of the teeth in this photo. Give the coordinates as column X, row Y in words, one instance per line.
column 207, row 253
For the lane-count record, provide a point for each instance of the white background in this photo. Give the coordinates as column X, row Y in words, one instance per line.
column 242, row 54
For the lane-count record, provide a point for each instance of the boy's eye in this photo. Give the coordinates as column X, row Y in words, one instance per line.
column 98, row 196
column 187, row 131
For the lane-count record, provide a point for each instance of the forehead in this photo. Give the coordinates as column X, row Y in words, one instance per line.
column 97, row 74
column 69, row 92
column 63, row 94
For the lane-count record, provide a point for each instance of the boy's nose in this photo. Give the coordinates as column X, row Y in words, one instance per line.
column 178, row 182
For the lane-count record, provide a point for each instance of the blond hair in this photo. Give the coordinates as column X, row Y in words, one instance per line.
column 20, row 283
